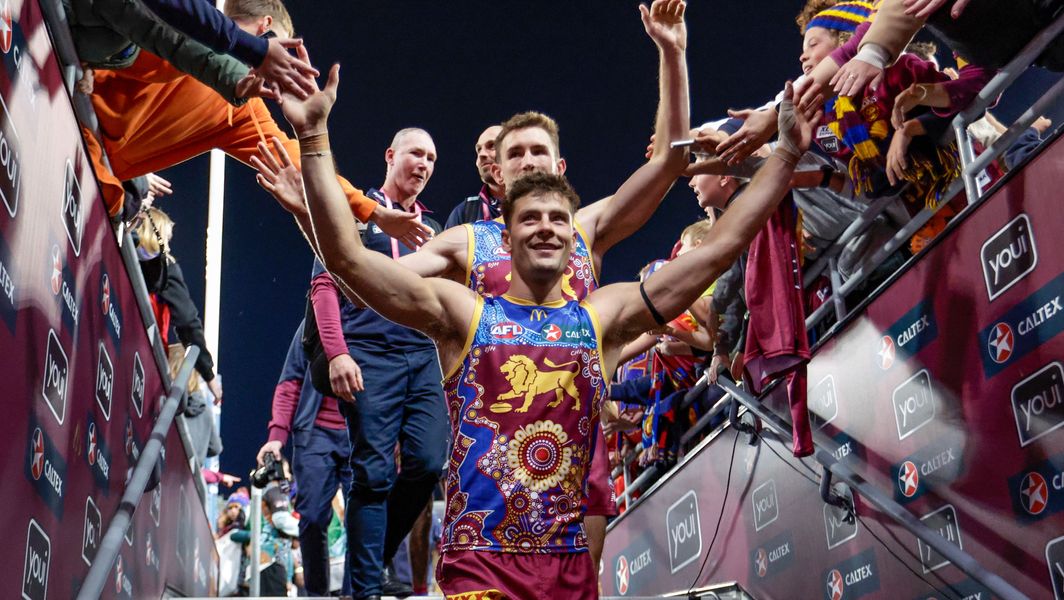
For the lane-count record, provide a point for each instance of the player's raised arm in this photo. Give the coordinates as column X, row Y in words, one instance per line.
column 614, row 219
column 441, row 309
column 629, row 309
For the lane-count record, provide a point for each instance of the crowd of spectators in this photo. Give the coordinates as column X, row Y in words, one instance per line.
column 170, row 79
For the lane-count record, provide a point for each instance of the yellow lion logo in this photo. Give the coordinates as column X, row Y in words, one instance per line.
column 528, row 381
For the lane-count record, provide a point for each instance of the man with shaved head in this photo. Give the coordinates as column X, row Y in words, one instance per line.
column 487, row 204
column 390, row 377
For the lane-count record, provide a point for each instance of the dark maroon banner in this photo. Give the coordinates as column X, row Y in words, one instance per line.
column 80, row 384
column 947, row 392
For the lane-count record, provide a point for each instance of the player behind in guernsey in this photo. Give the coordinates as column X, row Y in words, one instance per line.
column 524, row 371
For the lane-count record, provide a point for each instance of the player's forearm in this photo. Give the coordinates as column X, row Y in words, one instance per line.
column 676, row 286
column 673, row 121
column 637, row 199
column 333, row 226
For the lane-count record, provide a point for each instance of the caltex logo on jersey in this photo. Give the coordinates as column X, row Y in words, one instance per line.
column 37, row 455
column 506, row 331
column 886, row 352
column 553, row 333
column 1000, row 343
column 1034, row 493
column 622, row 575
column 908, row 479
column 5, row 28
column 835, row 585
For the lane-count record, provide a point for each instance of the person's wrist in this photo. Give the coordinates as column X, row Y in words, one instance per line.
column 873, row 54
column 314, row 142
column 786, row 155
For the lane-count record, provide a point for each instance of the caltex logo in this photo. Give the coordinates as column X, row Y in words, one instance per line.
column 57, row 270
column 908, row 479
column 37, row 455
column 1034, row 493
column 835, row 585
column 761, row 562
column 92, row 444
column 105, row 299
column 553, row 333
column 622, row 575
column 886, row 352
column 1000, row 343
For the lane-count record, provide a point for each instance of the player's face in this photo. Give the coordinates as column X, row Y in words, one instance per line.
column 411, row 163
column 486, row 153
column 524, row 151
column 540, row 236
column 816, row 46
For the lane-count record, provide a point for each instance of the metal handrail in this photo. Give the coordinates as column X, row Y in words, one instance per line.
column 970, row 167
column 111, row 544
column 825, row 453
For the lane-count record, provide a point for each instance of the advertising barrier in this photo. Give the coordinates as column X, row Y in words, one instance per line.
column 947, row 390
column 80, row 384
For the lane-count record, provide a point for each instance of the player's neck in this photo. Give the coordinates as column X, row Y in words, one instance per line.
column 536, row 292
column 393, row 192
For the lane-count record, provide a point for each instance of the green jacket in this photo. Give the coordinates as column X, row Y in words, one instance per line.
column 109, row 34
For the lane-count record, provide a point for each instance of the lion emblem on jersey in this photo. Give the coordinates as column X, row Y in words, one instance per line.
column 528, row 381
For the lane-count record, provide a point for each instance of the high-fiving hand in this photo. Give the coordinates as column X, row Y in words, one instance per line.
column 664, row 23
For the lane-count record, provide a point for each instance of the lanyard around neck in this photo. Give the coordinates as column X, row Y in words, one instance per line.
column 417, row 213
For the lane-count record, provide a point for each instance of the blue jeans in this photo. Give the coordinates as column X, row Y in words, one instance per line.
column 403, row 403
column 321, row 464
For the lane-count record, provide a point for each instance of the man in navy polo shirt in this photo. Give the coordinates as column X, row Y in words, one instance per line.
column 390, row 375
column 488, row 203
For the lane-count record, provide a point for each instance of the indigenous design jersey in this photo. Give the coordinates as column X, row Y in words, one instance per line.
column 489, row 265
column 524, row 405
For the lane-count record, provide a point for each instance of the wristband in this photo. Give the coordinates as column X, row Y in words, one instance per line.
column 873, row 54
column 654, row 314
column 825, row 178
column 786, row 156
column 315, row 142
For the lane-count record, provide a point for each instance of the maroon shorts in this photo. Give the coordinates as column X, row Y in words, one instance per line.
column 601, row 499
column 473, row 575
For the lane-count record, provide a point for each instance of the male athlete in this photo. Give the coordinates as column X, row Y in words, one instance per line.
column 528, row 143
column 524, row 395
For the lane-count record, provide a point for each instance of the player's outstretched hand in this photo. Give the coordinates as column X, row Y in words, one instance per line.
column 664, row 23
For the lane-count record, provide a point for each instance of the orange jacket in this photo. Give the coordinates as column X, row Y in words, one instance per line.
column 152, row 116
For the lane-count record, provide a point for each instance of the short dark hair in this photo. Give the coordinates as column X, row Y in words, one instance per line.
column 536, row 184
column 526, row 120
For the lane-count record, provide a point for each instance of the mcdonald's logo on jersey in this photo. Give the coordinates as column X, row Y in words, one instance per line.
column 538, row 314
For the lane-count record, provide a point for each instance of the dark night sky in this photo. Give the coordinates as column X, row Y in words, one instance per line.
column 453, row 68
